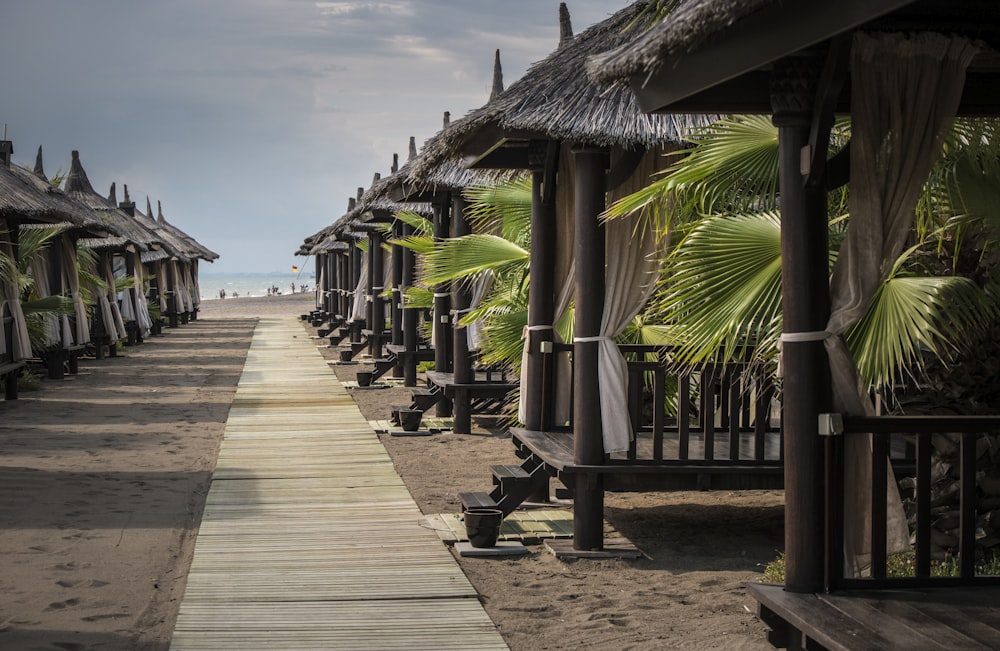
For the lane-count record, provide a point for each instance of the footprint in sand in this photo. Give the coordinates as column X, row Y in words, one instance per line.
column 68, row 584
column 61, row 605
column 97, row 618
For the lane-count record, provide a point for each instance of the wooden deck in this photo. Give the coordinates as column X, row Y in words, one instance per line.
column 875, row 620
column 309, row 538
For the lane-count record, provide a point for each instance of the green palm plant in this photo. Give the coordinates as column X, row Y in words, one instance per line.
column 37, row 310
column 721, row 288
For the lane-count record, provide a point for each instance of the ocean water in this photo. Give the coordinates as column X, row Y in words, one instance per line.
column 247, row 284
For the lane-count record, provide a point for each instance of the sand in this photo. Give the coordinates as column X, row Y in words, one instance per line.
column 104, row 477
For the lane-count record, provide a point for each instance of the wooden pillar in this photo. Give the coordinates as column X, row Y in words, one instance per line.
column 343, row 285
column 356, row 268
column 588, row 441
column 376, row 263
column 396, row 309
column 541, row 308
column 805, row 306
column 442, row 304
column 409, row 314
column 461, row 300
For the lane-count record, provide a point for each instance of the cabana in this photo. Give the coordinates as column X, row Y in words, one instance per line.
column 456, row 384
column 135, row 239
column 27, row 199
column 184, row 270
column 55, row 268
column 584, row 145
column 903, row 69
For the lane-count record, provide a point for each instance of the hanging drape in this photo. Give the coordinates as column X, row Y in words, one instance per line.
column 9, row 295
column 480, row 288
column 195, row 288
column 118, row 331
column 320, row 289
column 905, row 92
column 563, row 283
column 71, row 276
column 139, row 295
column 358, row 305
column 40, row 274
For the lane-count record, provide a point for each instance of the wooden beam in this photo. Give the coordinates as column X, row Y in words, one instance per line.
column 752, row 43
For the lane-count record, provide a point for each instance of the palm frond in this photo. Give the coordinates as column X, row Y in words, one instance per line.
column 419, row 244
column 31, row 242
column 419, row 297
column 723, row 290
column 911, row 317
column 465, row 256
column 503, row 208
column 420, row 224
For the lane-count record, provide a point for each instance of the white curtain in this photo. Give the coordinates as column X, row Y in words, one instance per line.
column 195, row 287
column 118, row 331
column 161, row 284
column 40, row 274
column 632, row 268
column 474, row 331
column 358, row 306
column 905, row 92
column 139, row 295
column 320, row 289
column 9, row 296
column 565, row 271
column 72, row 278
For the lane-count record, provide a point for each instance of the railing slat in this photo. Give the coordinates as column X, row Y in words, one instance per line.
column 880, row 454
column 967, row 545
column 923, row 546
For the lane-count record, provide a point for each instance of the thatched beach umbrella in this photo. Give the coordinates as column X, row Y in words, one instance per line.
column 903, row 69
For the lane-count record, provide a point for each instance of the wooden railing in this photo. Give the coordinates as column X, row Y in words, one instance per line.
column 718, row 413
column 917, row 447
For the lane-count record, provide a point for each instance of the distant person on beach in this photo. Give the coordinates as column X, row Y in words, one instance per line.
column 222, row 293
column 293, row 288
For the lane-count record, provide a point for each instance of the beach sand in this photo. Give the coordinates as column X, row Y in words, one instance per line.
column 104, row 478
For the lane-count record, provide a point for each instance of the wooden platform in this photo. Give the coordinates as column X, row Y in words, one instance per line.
column 859, row 620
column 309, row 538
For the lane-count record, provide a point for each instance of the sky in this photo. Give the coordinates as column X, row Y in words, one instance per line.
column 254, row 121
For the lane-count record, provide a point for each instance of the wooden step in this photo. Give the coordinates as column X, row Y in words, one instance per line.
column 509, row 471
column 477, row 500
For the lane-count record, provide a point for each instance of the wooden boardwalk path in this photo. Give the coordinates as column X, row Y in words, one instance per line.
column 309, row 538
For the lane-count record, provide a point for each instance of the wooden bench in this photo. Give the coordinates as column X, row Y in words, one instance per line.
column 555, row 450
column 9, row 370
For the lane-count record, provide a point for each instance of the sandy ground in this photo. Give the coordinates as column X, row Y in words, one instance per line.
column 104, row 477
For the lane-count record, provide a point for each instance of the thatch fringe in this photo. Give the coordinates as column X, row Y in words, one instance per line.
column 558, row 101
column 689, row 26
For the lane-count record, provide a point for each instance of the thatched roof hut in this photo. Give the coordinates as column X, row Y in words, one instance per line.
column 716, row 54
column 555, row 100
column 27, row 195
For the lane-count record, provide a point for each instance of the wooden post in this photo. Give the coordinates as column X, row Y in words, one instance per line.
column 356, row 267
column 442, row 304
column 396, row 310
column 461, row 300
column 376, row 263
column 588, row 440
column 541, row 308
column 806, row 307
column 409, row 314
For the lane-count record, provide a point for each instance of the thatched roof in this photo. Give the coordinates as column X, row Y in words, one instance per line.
column 77, row 186
column 191, row 247
column 694, row 27
column 690, row 25
column 26, row 196
column 556, row 100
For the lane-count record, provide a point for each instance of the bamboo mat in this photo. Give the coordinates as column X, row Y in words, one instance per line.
column 309, row 539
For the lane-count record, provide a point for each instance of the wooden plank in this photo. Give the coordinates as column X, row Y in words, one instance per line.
column 309, row 539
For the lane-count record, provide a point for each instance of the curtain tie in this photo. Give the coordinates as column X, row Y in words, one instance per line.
column 803, row 337
column 442, row 295
column 588, row 340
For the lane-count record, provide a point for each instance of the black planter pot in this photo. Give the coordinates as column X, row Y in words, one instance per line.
column 483, row 526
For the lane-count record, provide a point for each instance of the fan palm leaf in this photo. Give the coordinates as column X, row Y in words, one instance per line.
column 503, row 208
column 723, row 290
column 466, row 256
column 912, row 316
